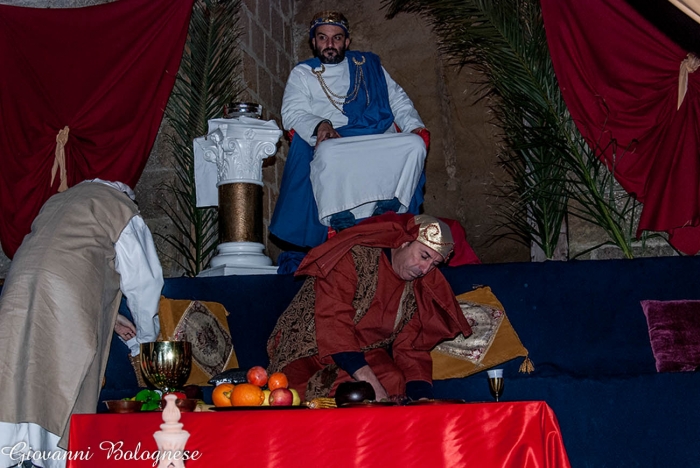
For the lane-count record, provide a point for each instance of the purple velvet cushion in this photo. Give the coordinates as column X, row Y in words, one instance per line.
column 674, row 331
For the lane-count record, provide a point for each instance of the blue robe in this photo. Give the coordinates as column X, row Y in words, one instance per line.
column 295, row 219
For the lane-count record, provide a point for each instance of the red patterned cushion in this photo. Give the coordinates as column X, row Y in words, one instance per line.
column 674, row 331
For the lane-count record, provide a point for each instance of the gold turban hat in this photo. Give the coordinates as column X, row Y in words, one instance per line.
column 435, row 234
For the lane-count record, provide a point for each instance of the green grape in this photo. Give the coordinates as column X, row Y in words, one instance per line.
column 150, row 406
column 143, row 395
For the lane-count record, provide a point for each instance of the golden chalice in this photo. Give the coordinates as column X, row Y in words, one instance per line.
column 166, row 364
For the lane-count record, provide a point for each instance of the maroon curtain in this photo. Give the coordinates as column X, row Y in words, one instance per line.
column 619, row 78
column 105, row 72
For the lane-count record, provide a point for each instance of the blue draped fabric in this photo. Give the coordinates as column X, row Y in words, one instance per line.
column 295, row 219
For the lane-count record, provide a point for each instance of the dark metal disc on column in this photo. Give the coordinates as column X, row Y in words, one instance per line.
column 240, row 213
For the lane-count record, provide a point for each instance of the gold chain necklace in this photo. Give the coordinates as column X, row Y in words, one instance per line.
column 338, row 101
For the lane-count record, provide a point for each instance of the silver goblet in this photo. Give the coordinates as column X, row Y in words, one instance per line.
column 166, row 364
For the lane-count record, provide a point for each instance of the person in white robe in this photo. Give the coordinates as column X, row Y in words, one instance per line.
column 369, row 144
column 58, row 309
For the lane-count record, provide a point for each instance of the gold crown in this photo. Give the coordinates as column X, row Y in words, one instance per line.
column 435, row 234
column 334, row 18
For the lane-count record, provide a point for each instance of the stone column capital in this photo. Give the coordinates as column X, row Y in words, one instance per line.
column 238, row 146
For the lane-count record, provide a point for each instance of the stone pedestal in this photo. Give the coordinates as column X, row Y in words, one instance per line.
column 236, row 148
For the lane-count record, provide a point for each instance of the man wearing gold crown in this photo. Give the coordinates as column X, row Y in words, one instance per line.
column 372, row 308
column 359, row 145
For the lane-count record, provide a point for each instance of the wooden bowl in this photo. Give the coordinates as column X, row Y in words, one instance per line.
column 185, row 405
column 124, row 406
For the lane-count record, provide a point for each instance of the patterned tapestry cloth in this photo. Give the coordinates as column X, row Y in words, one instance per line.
column 485, row 321
column 204, row 325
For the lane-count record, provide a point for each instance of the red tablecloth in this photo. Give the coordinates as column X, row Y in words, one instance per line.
column 519, row 434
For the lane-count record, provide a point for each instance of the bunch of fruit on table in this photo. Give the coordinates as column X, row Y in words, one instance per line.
column 259, row 390
column 150, row 398
column 155, row 399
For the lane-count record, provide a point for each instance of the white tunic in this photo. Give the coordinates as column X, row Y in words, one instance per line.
column 141, row 275
column 353, row 173
column 344, row 175
column 305, row 104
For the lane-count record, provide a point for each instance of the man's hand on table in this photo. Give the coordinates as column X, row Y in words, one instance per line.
column 367, row 374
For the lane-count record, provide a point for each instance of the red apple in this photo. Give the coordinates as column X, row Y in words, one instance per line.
column 180, row 395
column 281, row 397
column 257, row 375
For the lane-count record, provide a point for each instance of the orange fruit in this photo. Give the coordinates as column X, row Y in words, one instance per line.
column 221, row 395
column 277, row 380
column 257, row 375
column 247, row 394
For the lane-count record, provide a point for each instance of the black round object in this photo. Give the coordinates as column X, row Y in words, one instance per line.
column 354, row 392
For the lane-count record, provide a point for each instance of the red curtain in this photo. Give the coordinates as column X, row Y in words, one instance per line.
column 105, row 72
column 619, row 77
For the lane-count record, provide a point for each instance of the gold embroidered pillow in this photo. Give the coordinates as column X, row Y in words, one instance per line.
column 493, row 340
column 204, row 325
column 485, row 321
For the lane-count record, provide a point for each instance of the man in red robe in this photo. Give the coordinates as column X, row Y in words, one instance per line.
column 372, row 308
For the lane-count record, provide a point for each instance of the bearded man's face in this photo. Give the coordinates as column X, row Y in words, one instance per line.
column 330, row 43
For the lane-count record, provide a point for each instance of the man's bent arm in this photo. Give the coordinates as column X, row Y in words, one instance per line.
column 350, row 361
column 416, row 364
column 141, row 280
column 334, row 314
column 296, row 108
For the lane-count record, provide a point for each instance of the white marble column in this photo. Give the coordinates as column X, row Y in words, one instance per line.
column 228, row 173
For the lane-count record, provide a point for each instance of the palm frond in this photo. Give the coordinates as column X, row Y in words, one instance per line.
column 547, row 159
column 209, row 78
